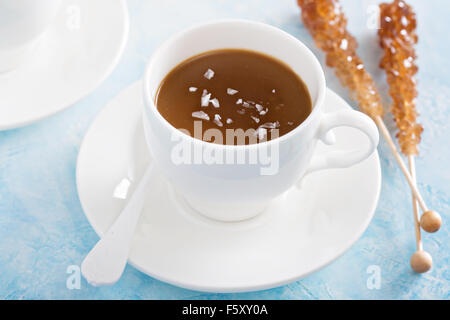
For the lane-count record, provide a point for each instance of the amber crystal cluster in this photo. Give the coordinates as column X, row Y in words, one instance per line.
column 327, row 24
column 397, row 37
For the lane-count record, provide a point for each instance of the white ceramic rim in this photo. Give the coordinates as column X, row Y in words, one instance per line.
column 106, row 74
column 316, row 108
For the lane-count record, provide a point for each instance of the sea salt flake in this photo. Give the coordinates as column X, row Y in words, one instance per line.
column 229, row 121
column 215, row 103
column 273, row 91
column 217, row 120
column 239, row 101
column 209, row 74
column 192, row 89
column 245, row 104
column 258, row 107
column 231, row 91
column 205, row 98
column 200, row 115
column 270, row 125
column 255, row 119
column 263, row 112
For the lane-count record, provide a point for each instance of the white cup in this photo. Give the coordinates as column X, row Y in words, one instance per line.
column 236, row 191
column 22, row 22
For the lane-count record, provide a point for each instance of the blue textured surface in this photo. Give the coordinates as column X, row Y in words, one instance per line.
column 43, row 229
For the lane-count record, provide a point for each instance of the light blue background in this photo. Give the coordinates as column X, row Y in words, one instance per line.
column 43, row 229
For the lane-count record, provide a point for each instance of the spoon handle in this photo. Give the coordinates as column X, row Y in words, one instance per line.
column 106, row 261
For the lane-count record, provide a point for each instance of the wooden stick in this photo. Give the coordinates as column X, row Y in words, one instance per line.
column 387, row 136
column 421, row 261
column 412, row 169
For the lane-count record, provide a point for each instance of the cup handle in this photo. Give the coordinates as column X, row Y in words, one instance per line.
column 343, row 158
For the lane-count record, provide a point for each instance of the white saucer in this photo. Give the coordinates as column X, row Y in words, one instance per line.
column 301, row 232
column 75, row 55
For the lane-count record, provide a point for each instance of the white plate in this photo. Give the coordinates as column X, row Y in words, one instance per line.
column 75, row 55
column 301, row 232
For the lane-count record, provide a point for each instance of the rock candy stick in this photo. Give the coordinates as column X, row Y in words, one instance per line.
column 327, row 24
column 398, row 38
